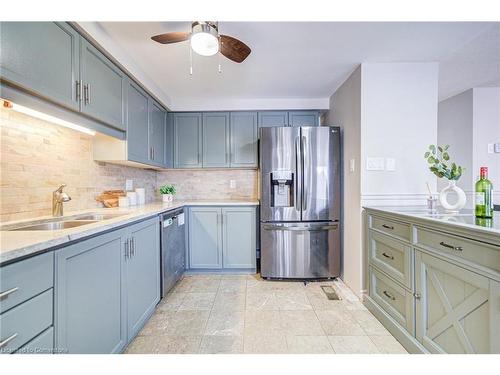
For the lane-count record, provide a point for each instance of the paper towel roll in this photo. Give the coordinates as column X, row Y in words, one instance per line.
column 141, row 195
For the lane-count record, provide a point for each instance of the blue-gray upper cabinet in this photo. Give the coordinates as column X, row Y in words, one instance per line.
column 188, row 142
column 169, row 141
column 205, row 238
column 273, row 118
column 239, row 237
column 142, row 259
column 243, row 139
column 137, row 124
column 103, row 87
column 156, row 133
column 215, row 139
column 89, row 296
column 303, row 118
column 42, row 57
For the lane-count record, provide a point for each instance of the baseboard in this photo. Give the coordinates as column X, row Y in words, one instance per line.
column 409, row 342
column 234, row 271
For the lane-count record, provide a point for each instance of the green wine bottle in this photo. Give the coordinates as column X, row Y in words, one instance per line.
column 484, row 187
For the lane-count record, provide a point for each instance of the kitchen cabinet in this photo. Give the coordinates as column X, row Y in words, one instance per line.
column 106, row 288
column 188, row 140
column 169, row 140
column 137, row 124
column 42, row 57
column 215, row 139
column 142, row 269
column 273, row 118
column 103, row 87
column 303, row 118
column 458, row 311
column 156, row 133
column 222, row 237
column 243, row 140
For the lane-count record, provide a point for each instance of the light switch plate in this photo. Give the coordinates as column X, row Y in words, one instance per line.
column 390, row 164
column 491, row 148
column 375, row 164
column 232, row 184
column 129, row 185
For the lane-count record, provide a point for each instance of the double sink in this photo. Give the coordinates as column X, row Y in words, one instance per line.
column 64, row 222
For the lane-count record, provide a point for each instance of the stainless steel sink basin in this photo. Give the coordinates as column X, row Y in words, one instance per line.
column 55, row 225
column 97, row 217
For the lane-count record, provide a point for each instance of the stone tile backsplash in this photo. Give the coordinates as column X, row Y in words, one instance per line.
column 37, row 156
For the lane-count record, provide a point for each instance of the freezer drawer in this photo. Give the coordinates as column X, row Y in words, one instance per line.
column 300, row 250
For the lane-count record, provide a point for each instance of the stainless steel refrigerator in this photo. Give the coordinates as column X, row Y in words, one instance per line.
column 300, row 202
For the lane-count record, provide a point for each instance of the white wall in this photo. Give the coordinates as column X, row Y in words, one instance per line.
column 455, row 129
column 345, row 111
column 486, row 129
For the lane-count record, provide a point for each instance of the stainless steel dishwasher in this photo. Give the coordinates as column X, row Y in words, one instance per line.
column 173, row 249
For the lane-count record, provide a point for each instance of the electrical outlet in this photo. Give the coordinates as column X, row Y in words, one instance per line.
column 491, row 148
column 375, row 164
column 352, row 165
column 232, row 184
column 129, row 185
column 390, row 164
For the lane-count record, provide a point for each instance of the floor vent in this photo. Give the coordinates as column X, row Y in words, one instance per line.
column 330, row 293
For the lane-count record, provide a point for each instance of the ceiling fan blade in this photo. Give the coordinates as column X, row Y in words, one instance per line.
column 173, row 37
column 233, row 48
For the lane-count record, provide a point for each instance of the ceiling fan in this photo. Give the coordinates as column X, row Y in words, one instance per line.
column 206, row 41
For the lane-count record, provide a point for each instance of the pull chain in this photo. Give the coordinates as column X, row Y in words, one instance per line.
column 218, row 56
column 190, row 61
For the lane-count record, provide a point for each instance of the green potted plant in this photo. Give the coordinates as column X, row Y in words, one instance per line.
column 167, row 192
column 438, row 159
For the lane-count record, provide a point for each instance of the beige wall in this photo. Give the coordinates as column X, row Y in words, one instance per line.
column 36, row 157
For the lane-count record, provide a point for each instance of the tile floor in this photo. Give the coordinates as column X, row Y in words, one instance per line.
column 211, row 314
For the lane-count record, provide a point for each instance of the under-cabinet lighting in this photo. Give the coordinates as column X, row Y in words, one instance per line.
column 43, row 116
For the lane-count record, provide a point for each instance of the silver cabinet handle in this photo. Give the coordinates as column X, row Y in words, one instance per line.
column 457, row 248
column 417, row 295
column 388, row 256
column 5, row 294
column 133, row 246
column 127, row 248
column 388, row 226
column 79, row 92
column 153, row 153
column 388, row 295
column 7, row 340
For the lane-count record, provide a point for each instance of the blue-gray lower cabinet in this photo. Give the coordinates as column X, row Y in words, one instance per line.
column 222, row 237
column 89, row 304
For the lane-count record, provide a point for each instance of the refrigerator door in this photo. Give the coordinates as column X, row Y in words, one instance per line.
column 281, row 179
column 300, row 250
column 321, row 173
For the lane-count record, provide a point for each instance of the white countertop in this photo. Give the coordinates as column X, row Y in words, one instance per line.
column 17, row 244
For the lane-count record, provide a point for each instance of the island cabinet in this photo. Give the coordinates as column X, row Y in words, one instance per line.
column 434, row 288
column 106, row 288
column 222, row 238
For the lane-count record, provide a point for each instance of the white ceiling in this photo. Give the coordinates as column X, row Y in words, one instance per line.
column 298, row 63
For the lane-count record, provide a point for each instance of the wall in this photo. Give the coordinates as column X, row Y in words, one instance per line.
column 345, row 111
column 486, row 129
column 38, row 156
column 212, row 184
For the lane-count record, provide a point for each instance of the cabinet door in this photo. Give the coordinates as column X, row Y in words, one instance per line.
column 187, row 140
column 205, row 238
column 169, row 141
column 239, row 232
column 244, row 139
column 273, row 118
column 104, row 87
column 42, row 57
column 303, row 118
column 458, row 310
column 215, row 139
column 143, row 274
column 88, row 296
column 157, row 133
column 137, row 124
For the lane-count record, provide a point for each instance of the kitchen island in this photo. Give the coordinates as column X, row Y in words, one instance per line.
column 433, row 279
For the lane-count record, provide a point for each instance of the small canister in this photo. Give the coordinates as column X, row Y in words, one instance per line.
column 132, row 198
column 122, row 201
column 141, row 195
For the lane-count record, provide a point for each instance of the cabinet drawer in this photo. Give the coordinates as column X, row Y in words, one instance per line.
column 393, row 228
column 392, row 257
column 22, row 323
column 22, row 280
column 395, row 300
column 474, row 251
column 42, row 344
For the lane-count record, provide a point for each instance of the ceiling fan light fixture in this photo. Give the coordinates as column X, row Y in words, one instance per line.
column 204, row 39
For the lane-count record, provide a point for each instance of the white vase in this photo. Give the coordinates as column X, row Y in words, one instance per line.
column 167, row 198
column 461, row 198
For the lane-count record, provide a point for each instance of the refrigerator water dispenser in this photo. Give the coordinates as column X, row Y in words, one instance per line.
column 282, row 188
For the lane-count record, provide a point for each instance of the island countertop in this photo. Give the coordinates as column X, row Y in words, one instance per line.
column 20, row 244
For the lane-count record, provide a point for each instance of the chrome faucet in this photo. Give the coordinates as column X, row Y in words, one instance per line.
column 58, row 198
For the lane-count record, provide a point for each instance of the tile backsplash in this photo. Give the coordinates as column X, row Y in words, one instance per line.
column 38, row 156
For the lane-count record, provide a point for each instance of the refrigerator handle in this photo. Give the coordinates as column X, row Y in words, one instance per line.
column 303, row 155
column 298, row 175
